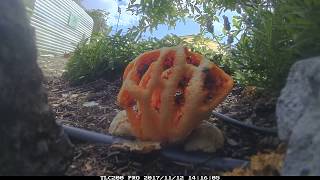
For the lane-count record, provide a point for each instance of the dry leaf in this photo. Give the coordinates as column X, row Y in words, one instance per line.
column 261, row 165
column 137, row 146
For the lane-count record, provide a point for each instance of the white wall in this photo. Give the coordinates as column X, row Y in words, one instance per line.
column 55, row 31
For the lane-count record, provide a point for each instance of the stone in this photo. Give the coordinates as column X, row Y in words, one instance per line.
column 206, row 138
column 120, row 125
column 297, row 94
column 298, row 116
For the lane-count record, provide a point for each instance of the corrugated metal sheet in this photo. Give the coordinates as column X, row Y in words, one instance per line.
column 60, row 25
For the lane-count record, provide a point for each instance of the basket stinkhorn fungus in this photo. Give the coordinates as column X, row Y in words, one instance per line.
column 167, row 92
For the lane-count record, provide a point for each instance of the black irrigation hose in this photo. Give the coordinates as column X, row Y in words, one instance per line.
column 91, row 136
column 197, row 158
column 234, row 122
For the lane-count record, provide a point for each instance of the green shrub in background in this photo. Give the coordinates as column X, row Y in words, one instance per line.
column 274, row 33
column 104, row 56
column 107, row 56
column 278, row 37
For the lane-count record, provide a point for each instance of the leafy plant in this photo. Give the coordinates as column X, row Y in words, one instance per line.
column 104, row 56
column 107, row 56
column 278, row 37
column 275, row 33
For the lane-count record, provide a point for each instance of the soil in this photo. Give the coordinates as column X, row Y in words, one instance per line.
column 92, row 106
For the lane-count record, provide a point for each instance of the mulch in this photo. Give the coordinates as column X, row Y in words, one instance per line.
column 92, row 106
column 72, row 107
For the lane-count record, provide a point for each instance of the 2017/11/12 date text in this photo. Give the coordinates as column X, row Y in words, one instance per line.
column 160, row 177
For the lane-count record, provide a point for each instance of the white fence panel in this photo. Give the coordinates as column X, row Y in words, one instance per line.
column 60, row 25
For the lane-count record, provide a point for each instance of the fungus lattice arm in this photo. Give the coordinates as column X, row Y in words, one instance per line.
column 168, row 92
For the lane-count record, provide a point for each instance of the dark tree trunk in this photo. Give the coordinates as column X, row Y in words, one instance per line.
column 31, row 141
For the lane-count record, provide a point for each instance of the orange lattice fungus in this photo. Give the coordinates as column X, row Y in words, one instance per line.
column 167, row 92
